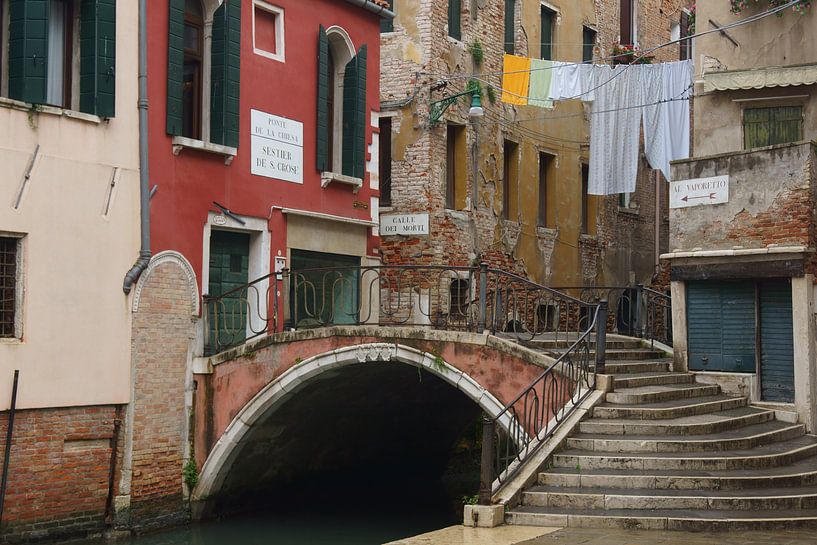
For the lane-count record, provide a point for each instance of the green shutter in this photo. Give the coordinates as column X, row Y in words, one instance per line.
column 322, row 139
column 546, row 38
column 454, row 23
column 354, row 116
column 776, row 341
column 510, row 26
column 226, row 74
column 28, row 50
column 97, row 72
column 770, row 126
column 175, row 67
column 387, row 23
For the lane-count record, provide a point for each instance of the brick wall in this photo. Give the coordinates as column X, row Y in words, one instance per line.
column 162, row 332
column 59, row 471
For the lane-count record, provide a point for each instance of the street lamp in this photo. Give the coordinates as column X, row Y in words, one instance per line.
column 438, row 107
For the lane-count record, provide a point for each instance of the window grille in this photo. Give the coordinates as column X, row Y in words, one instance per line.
column 8, row 285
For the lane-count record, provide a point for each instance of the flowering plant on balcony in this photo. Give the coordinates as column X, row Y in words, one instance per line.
column 740, row 5
column 693, row 12
column 630, row 54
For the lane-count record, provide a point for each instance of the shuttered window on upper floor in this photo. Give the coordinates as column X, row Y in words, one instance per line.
column 387, row 23
column 341, row 110
column 455, row 19
column 510, row 26
column 43, row 63
column 770, row 126
column 547, row 18
column 188, row 71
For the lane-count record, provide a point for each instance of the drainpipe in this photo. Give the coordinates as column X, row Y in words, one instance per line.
column 368, row 5
column 144, row 188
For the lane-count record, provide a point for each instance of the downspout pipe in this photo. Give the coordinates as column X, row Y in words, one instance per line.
column 368, row 5
column 144, row 185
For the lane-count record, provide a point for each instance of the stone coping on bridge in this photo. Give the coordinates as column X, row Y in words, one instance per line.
column 384, row 334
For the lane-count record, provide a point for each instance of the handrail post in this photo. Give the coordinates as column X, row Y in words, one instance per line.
column 205, row 311
column 640, row 327
column 483, row 296
column 486, row 473
column 601, row 336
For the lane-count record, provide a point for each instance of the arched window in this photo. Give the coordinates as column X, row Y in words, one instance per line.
column 193, row 59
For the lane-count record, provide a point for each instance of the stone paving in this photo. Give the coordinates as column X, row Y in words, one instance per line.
column 520, row 535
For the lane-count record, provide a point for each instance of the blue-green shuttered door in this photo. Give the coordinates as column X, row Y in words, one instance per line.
column 776, row 342
column 229, row 270
column 721, row 326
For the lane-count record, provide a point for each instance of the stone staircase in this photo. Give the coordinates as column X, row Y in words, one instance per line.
column 664, row 452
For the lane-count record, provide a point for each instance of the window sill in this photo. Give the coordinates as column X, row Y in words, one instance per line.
column 49, row 110
column 584, row 238
column 329, row 177
column 385, row 209
column 10, row 340
column 181, row 142
column 546, row 231
column 631, row 211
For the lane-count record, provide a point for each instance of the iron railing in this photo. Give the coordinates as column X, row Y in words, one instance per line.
column 635, row 311
column 474, row 299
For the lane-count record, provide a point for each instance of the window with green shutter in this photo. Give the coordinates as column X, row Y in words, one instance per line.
column 225, row 82
column 42, row 57
column 354, row 116
column 387, row 23
column 770, row 126
column 322, row 162
column 548, row 23
column 454, row 19
column 510, row 26
column 28, row 50
column 97, row 71
column 175, row 67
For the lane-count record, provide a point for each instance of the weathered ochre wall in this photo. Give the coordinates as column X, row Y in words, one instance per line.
column 620, row 243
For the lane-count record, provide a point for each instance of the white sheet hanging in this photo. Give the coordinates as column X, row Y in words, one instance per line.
column 666, row 125
column 615, row 126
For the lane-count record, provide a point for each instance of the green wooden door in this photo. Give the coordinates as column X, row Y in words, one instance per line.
column 721, row 326
column 776, row 341
column 330, row 295
column 229, row 270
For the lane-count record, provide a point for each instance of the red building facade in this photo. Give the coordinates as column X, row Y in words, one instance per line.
column 263, row 138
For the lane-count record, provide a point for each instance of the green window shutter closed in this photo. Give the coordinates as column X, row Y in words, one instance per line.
column 770, row 126
column 354, row 115
column 28, row 50
column 454, row 23
column 226, row 74
column 386, row 23
column 546, row 39
column 322, row 140
column 97, row 66
column 510, row 26
column 175, row 66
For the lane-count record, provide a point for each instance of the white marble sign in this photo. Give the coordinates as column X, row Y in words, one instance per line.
column 700, row 191
column 277, row 147
column 404, row 224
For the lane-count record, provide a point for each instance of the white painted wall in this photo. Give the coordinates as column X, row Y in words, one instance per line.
column 75, row 348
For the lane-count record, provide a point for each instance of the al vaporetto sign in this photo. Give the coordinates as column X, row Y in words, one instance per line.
column 699, row 191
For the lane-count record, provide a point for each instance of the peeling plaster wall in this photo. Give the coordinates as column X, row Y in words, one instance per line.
column 620, row 244
column 773, row 41
column 758, row 212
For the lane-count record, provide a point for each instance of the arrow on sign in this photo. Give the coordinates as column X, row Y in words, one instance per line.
column 687, row 198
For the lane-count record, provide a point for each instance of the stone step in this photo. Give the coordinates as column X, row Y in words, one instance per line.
column 764, row 456
column 674, row 408
column 798, row 474
column 686, row 425
column 738, row 439
column 666, row 392
column 613, row 355
column 641, row 498
column 638, row 366
column 612, row 344
column 636, row 380
column 665, row 519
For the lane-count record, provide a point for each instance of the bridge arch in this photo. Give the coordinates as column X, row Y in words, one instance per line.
column 224, row 454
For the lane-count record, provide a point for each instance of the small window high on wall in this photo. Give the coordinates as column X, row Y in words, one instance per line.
column 628, row 17
column 547, row 18
column 770, row 126
column 510, row 26
column 268, row 31
column 10, row 286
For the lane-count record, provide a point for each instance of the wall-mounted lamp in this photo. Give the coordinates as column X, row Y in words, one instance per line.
column 439, row 107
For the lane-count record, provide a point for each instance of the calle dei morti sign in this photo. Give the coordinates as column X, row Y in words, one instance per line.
column 277, row 147
column 699, row 191
column 404, row 224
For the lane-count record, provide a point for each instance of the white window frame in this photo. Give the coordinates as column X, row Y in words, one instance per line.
column 343, row 51
column 280, row 53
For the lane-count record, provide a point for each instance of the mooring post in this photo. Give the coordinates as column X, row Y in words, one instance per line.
column 601, row 336
column 9, row 435
column 486, row 473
